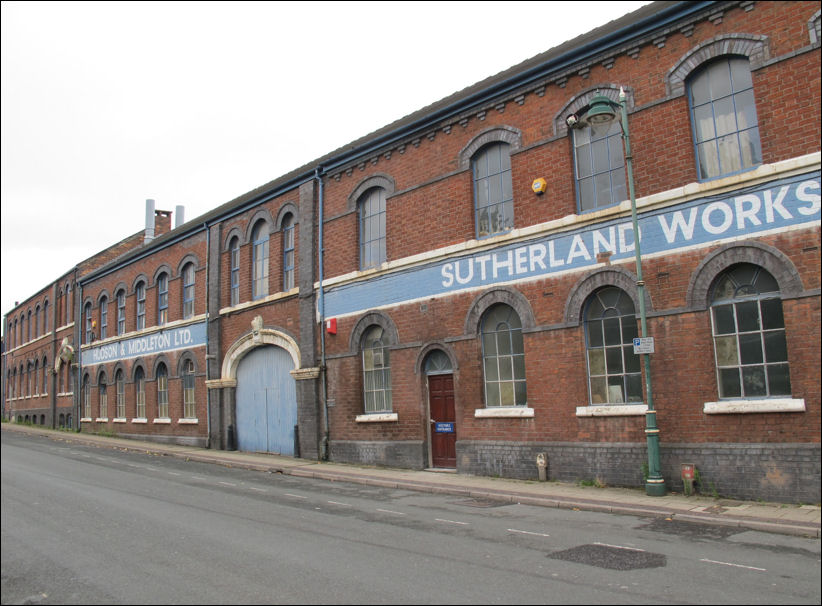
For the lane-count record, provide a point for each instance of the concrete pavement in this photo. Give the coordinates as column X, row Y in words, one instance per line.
column 800, row 520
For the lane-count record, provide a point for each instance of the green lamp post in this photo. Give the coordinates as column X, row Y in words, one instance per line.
column 601, row 110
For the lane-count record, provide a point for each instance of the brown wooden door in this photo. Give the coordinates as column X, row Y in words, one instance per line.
column 443, row 421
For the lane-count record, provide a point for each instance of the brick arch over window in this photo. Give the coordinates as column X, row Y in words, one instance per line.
column 261, row 215
column 755, row 47
column 581, row 100
column 163, row 269
column 498, row 134
column 509, row 296
column 768, row 257
column 610, row 276
column 380, row 180
column 431, row 347
column 289, row 208
column 189, row 258
column 234, row 232
column 368, row 320
column 185, row 357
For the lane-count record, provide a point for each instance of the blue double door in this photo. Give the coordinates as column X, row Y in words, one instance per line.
column 266, row 401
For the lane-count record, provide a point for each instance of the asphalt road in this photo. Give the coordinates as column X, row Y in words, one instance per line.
column 93, row 525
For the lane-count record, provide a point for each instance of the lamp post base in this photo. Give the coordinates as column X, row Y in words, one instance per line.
column 655, row 487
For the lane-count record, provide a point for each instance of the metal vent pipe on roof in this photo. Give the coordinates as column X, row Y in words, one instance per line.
column 179, row 215
column 149, row 221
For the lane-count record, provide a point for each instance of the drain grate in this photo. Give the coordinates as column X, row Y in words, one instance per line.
column 613, row 558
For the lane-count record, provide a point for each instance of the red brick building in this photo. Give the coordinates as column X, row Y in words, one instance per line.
column 460, row 289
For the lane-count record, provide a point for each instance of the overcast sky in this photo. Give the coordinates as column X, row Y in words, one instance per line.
column 106, row 104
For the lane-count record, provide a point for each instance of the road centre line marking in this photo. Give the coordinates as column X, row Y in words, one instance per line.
column 619, row 547
column 734, row 565
column 173, row 473
column 452, row 522
column 257, row 489
column 296, row 496
column 338, row 503
column 536, row 534
column 398, row 513
column 226, row 483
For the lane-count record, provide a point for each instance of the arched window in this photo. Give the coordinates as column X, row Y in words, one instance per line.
column 503, row 356
column 162, row 391
column 36, row 380
column 749, row 334
column 162, row 299
column 188, row 291
column 723, row 116
column 86, row 397
column 376, row 371
column 45, row 317
column 68, row 303
column 120, row 383
column 140, row 291
column 121, row 312
column 140, row 393
column 599, row 164
column 103, row 317
column 189, row 407
column 89, row 323
column 614, row 371
column 45, row 376
column 371, row 208
column 102, row 388
column 259, row 260
column 37, row 321
column 493, row 192
column 288, row 252
column 28, row 327
column 234, row 247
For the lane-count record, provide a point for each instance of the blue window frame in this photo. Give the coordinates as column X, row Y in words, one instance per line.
column 103, row 317
column 121, row 312
column 599, row 161
column 259, row 260
column 188, row 291
column 162, row 299
column 288, row 252
column 141, row 305
column 89, row 324
column 235, row 271
column 493, row 192
column 723, row 118
column 372, row 228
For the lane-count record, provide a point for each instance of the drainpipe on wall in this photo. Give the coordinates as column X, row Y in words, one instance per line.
column 78, row 331
column 208, row 315
column 323, row 378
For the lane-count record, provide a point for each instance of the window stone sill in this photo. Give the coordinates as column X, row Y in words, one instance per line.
column 165, row 421
column 612, row 410
column 504, row 412
column 384, row 417
column 754, row 406
column 140, row 420
column 188, row 421
column 118, row 420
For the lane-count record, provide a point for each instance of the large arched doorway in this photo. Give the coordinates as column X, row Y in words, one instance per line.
column 443, row 426
column 266, row 401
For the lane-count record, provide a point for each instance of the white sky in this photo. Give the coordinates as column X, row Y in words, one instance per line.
column 106, row 104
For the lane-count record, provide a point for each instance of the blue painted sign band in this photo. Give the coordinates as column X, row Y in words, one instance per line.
column 183, row 337
column 444, row 427
column 781, row 204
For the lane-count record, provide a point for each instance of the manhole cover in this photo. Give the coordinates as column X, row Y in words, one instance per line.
column 614, row 558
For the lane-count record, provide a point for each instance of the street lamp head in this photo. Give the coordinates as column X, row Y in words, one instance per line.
column 600, row 110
